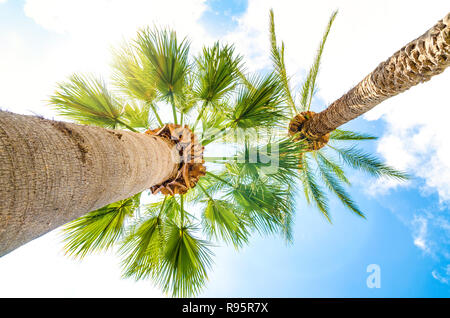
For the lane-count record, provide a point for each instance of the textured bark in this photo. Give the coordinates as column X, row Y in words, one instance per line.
column 53, row 172
column 415, row 63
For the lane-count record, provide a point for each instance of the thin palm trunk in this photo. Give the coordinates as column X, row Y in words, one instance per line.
column 53, row 172
column 415, row 63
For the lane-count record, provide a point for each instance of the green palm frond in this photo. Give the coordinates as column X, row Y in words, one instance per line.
column 100, row 229
column 266, row 206
column 331, row 165
column 131, row 74
column 244, row 77
column 309, row 86
column 222, row 221
column 358, row 159
column 209, row 185
column 169, row 208
column 339, row 134
column 143, row 248
column 187, row 100
column 313, row 191
column 260, row 105
column 214, row 119
column 287, row 219
column 185, row 261
column 217, row 73
column 333, row 183
column 278, row 160
column 86, row 100
column 277, row 55
column 137, row 115
column 167, row 60
column 144, row 245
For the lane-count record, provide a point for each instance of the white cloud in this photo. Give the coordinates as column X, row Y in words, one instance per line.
column 416, row 136
column 79, row 39
column 114, row 18
column 420, row 225
column 444, row 277
column 431, row 234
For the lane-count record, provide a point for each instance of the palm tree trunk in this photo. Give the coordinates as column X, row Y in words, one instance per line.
column 415, row 63
column 53, row 172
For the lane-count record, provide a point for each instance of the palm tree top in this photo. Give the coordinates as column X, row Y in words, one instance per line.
column 249, row 189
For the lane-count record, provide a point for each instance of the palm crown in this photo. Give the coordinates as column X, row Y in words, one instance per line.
column 249, row 189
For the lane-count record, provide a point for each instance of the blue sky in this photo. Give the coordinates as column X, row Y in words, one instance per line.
column 407, row 230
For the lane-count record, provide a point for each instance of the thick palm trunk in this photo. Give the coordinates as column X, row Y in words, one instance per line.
column 53, row 172
column 415, row 63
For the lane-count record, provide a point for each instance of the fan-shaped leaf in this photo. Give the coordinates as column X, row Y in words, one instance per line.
column 100, row 229
column 167, row 59
column 217, row 72
column 222, row 221
column 132, row 75
column 143, row 248
column 260, row 105
column 137, row 115
column 185, row 262
column 86, row 100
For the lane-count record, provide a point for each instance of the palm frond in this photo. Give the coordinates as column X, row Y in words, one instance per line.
column 132, row 75
column 137, row 115
column 222, row 221
column 167, row 59
column 358, row 159
column 339, row 134
column 309, row 85
column 278, row 160
column 210, row 184
column 143, row 248
column 86, row 100
column 217, row 72
column 187, row 100
column 313, row 191
column 169, row 209
column 287, row 219
column 185, row 262
column 331, row 165
column 277, row 55
column 334, row 185
column 260, row 105
column 213, row 120
column 100, row 229
column 266, row 206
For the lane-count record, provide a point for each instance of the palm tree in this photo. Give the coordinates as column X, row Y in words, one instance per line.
column 323, row 159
